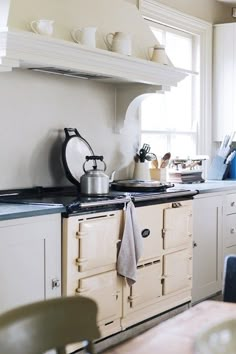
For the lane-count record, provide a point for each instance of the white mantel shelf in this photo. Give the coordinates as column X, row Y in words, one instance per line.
column 21, row 49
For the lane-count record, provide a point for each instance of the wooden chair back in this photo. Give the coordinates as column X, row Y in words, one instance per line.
column 50, row 324
column 229, row 287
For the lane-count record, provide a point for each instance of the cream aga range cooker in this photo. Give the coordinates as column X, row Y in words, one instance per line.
column 92, row 229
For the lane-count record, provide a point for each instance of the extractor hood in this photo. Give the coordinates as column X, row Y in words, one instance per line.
column 58, row 54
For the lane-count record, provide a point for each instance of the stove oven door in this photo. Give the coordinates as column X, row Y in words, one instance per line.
column 90, row 241
column 150, row 221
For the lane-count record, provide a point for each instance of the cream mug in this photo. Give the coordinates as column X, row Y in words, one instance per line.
column 42, row 27
column 85, row 36
column 119, row 42
column 158, row 54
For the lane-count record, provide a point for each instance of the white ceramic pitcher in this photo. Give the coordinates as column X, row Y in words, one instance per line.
column 85, row 36
column 158, row 54
column 42, row 26
column 119, row 42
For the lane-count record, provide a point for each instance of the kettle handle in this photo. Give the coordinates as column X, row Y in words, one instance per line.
column 87, row 158
column 94, row 157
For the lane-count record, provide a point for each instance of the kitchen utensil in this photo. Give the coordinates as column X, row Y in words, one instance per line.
column 85, row 36
column 119, row 42
column 95, row 181
column 226, row 145
column 165, row 160
column 143, row 152
column 74, row 150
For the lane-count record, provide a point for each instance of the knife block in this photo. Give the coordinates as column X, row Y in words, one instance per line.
column 141, row 171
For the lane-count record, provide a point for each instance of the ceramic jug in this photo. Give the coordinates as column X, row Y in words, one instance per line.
column 42, row 26
column 159, row 54
column 85, row 36
column 119, row 42
column 141, row 171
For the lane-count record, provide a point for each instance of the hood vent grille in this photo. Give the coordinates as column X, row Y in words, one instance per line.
column 70, row 73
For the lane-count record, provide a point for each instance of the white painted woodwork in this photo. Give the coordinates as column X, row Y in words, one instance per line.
column 177, row 271
column 229, row 228
column 150, row 218
column 207, row 243
column 224, row 80
column 30, row 259
column 30, row 50
column 177, row 229
column 230, row 203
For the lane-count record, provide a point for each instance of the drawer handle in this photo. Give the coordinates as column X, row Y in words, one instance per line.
column 233, row 230
column 232, row 204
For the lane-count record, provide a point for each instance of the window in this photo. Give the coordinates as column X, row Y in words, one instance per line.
column 179, row 121
column 169, row 122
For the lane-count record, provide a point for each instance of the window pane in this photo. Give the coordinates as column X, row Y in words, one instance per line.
column 183, row 146
column 159, row 34
column 169, row 111
column 179, row 50
column 158, row 143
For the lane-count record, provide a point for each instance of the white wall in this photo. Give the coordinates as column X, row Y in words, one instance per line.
column 36, row 107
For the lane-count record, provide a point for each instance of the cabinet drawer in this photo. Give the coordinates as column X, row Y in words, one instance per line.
column 230, row 203
column 230, row 228
column 104, row 289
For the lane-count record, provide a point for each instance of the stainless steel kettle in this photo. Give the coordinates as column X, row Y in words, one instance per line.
column 94, row 182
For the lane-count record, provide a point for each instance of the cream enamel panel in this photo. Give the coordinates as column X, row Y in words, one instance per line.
column 103, row 288
column 150, row 218
column 97, row 238
column 177, row 271
column 148, row 287
column 177, row 226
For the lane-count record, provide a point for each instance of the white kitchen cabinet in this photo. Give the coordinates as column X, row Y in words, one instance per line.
column 30, row 260
column 229, row 231
column 207, row 243
column 224, row 80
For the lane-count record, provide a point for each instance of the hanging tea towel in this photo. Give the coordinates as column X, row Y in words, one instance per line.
column 131, row 246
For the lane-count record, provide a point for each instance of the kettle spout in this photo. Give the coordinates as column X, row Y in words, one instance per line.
column 112, row 176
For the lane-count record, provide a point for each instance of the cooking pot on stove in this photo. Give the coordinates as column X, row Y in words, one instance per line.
column 94, row 181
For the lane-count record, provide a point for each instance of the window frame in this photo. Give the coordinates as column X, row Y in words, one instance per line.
column 153, row 11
